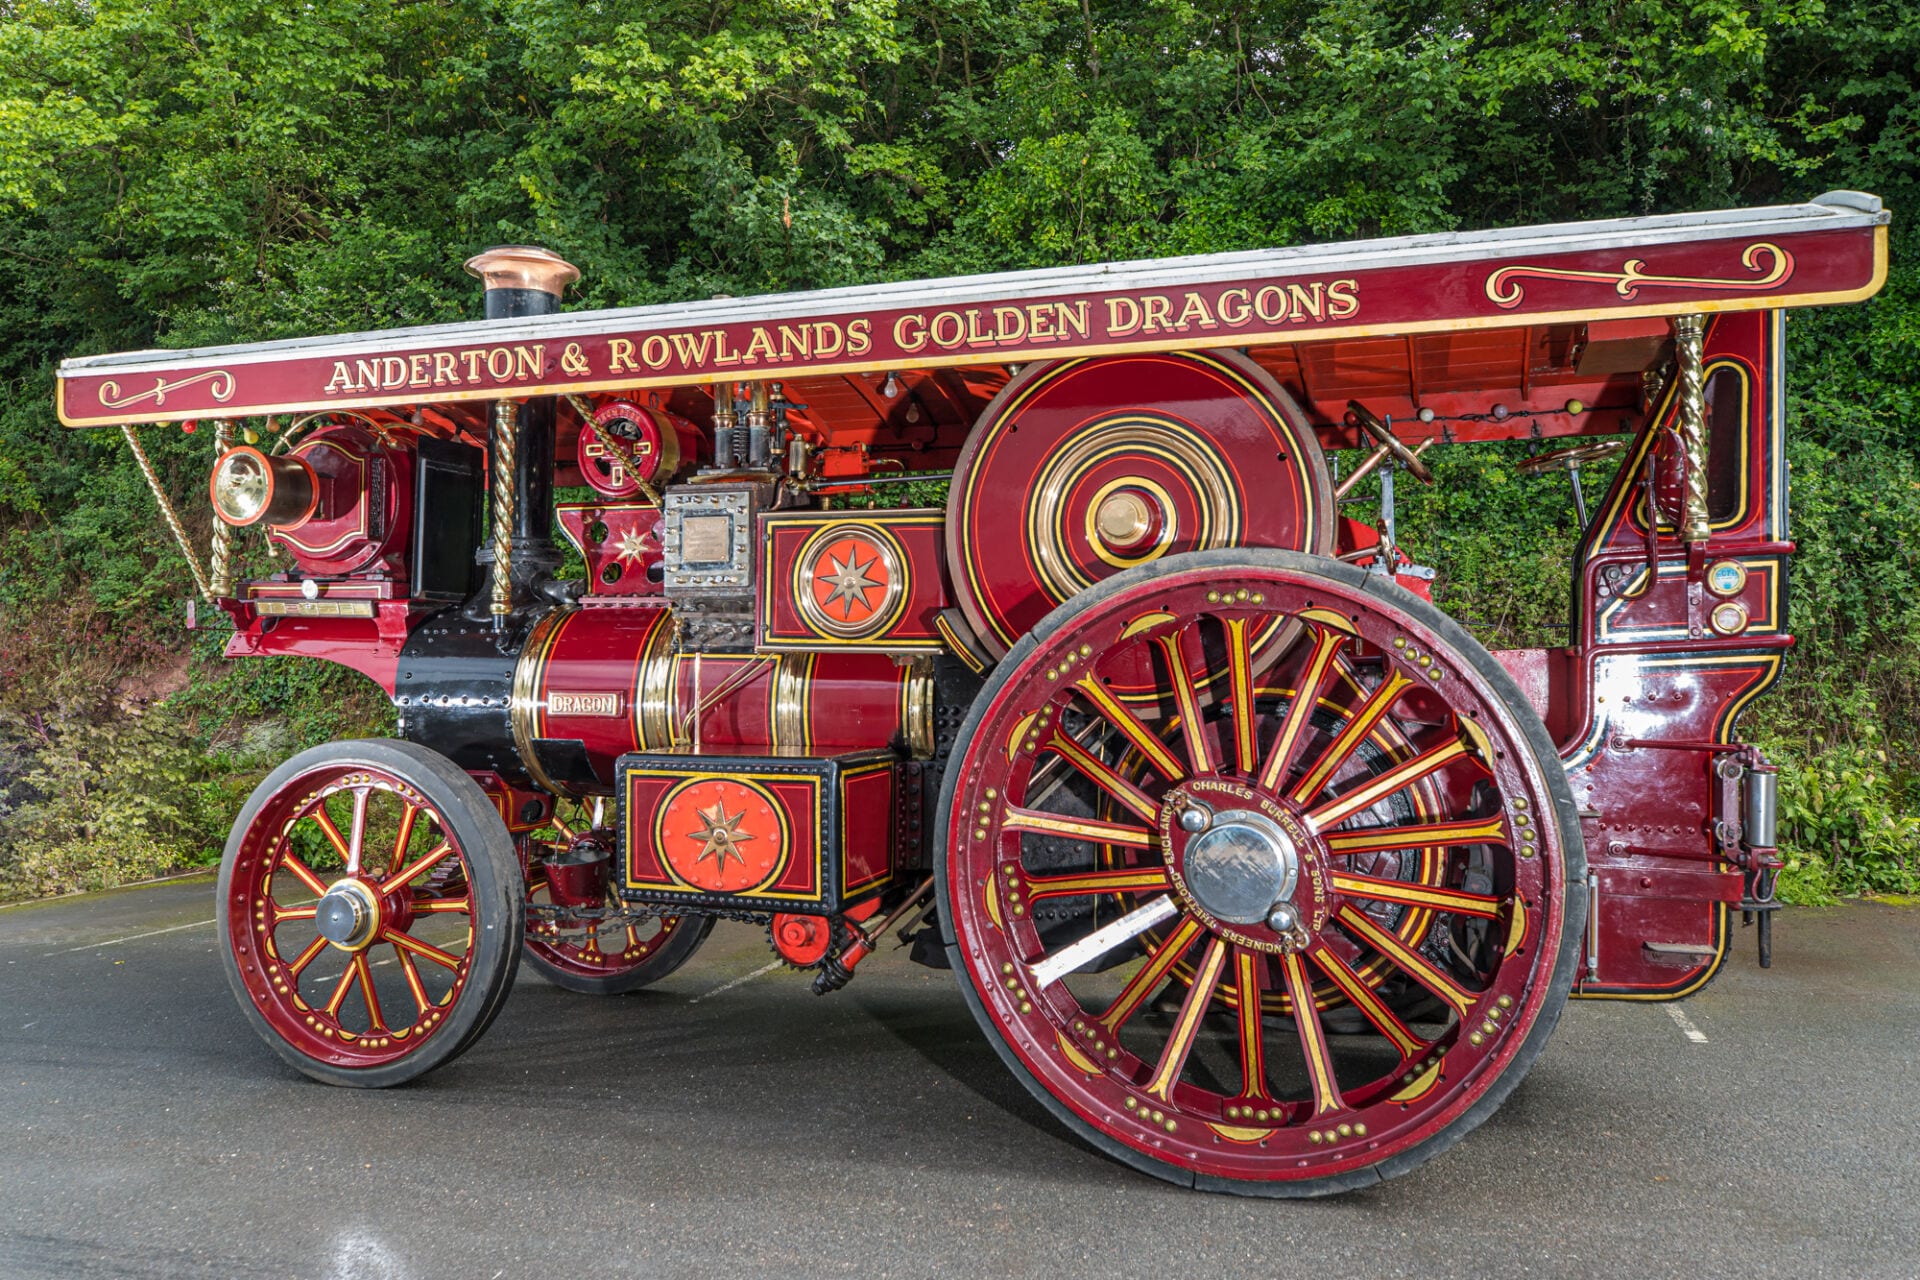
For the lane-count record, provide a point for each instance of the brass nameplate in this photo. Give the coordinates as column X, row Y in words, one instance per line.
column 583, row 704
column 314, row 608
column 706, row 539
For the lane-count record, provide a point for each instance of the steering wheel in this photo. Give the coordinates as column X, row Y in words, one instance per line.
column 1381, row 432
column 1570, row 459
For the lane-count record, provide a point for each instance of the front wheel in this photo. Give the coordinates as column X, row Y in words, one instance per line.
column 371, row 911
column 1329, row 837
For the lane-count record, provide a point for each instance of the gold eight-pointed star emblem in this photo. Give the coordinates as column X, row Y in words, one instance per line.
column 850, row 583
column 721, row 832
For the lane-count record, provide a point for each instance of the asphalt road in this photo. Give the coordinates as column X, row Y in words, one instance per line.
column 728, row 1123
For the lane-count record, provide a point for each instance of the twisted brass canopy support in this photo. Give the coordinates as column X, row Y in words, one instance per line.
column 166, row 510
column 1688, row 335
column 504, row 445
column 221, row 555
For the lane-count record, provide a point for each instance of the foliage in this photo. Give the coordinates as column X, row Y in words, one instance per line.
column 178, row 172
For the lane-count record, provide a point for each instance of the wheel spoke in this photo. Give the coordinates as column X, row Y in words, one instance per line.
column 1250, row 979
column 1307, row 692
column 1365, row 717
column 1104, row 776
column 412, row 975
column 303, row 873
column 1426, row 835
column 364, row 971
column 300, row 962
column 428, row 906
column 1240, row 694
column 1410, row 962
column 1376, row 889
column 1151, row 974
column 1313, row 1037
column 1186, row 1026
column 340, row 989
column 1368, row 1002
column 1348, row 803
column 1131, row 728
column 1119, row 880
column 426, row 862
column 334, row 838
column 425, row 950
column 1091, row 829
column 408, row 815
column 357, row 832
column 1186, row 701
column 282, row 914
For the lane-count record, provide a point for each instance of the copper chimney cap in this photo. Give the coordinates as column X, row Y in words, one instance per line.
column 523, row 266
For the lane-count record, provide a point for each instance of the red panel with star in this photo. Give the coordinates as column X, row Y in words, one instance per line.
column 731, row 831
column 852, row 580
column 620, row 543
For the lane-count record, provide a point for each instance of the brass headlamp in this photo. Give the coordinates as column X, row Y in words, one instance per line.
column 249, row 487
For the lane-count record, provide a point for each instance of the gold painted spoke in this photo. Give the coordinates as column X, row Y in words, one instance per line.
column 409, row 814
column 1368, row 1002
column 340, row 989
column 1313, row 1037
column 1422, row 836
column 425, row 950
column 357, row 833
column 1250, row 979
column 1131, row 728
column 412, row 975
column 1186, row 1025
column 1129, row 880
column 1410, row 962
column 364, row 972
column 426, row 862
column 1186, row 701
column 334, row 838
column 1308, row 691
column 1104, row 776
column 1240, row 695
column 1143, row 984
column 1374, row 790
column 282, row 914
column 1093, row 829
column 303, row 873
column 429, row 906
column 1376, row 889
column 300, row 962
column 1365, row 718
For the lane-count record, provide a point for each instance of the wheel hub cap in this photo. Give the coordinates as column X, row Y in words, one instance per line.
column 1241, row 865
column 347, row 915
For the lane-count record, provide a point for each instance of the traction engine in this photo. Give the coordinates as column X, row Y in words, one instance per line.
column 1056, row 624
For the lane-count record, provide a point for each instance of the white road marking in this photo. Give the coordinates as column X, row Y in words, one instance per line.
column 132, row 937
column 1103, row 940
column 1685, row 1024
column 769, row 967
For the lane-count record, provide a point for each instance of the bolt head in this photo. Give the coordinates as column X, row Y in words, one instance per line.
column 1195, row 818
column 1282, row 918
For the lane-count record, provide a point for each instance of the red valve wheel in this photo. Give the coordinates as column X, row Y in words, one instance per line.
column 370, row 911
column 1358, row 907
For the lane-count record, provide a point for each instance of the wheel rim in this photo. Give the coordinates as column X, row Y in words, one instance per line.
column 358, row 853
column 599, row 949
column 1397, row 813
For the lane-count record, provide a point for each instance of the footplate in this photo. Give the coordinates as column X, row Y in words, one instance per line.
column 759, row 833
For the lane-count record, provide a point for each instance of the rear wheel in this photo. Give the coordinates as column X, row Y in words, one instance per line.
column 1333, row 833
column 371, row 911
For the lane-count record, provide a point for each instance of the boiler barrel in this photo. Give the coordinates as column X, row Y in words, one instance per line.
column 591, row 684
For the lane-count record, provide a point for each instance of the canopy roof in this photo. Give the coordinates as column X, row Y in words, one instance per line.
column 1833, row 249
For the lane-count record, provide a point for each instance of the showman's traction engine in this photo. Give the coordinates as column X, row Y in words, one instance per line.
column 1027, row 619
